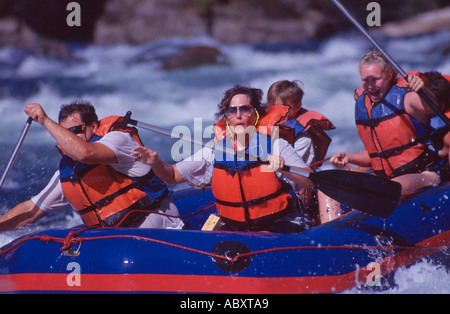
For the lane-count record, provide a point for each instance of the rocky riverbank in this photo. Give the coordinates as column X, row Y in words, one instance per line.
column 42, row 26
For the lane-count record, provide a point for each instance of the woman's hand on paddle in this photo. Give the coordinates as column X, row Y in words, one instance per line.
column 145, row 155
column 275, row 163
column 415, row 83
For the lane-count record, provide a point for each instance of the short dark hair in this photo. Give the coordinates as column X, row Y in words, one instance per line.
column 290, row 93
column 440, row 87
column 84, row 108
column 255, row 95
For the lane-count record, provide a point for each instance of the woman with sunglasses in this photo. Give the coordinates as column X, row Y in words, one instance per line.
column 251, row 194
column 97, row 176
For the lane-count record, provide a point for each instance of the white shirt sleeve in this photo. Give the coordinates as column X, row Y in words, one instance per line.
column 282, row 148
column 197, row 170
column 51, row 198
column 305, row 149
column 122, row 144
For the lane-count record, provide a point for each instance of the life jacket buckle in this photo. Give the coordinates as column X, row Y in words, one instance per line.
column 372, row 123
column 74, row 177
column 257, row 201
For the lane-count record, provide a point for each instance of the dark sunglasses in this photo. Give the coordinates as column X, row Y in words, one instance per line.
column 245, row 110
column 77, row 129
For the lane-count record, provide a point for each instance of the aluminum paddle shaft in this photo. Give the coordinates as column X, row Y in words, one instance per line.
column 16, row 151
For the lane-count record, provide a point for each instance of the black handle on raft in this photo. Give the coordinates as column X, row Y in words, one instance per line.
column 127, row 120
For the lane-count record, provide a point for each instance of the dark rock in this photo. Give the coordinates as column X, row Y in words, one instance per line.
column 14, row 32
column 195, row 56
column 421, row 24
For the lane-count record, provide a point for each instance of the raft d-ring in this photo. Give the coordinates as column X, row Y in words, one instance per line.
column 76, row 252
column 384, row 242
column 230, row 250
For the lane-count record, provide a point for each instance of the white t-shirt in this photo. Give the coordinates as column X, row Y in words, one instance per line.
column 305, row 149
column 51, row 198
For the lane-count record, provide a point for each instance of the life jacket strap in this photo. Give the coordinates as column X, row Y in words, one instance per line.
column 373, row 122
column 109, row 198
column 256, row 201
column 394, row 151
column 232, row 171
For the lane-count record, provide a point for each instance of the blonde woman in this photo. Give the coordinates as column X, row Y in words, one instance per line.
column 391, row 120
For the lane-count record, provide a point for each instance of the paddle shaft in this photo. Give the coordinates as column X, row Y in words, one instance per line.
column 162, row 131
column 431, row 102
column 16, row 151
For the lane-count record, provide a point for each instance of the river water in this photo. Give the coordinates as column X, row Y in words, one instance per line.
column 122, row 78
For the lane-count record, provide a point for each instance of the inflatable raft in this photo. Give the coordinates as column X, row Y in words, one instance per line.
column 355, row 250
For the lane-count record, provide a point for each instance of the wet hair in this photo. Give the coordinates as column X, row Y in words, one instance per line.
column 378, row 58
column 440, row 88
column 290, row 93
column 254, row 94
column 84, row 108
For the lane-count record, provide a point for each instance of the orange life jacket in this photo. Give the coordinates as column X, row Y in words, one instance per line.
column 103, row 196
column 391, row 136
column 248, row 197
column 307, row 122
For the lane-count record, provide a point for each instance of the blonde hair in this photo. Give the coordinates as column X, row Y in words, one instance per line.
column 378, row 58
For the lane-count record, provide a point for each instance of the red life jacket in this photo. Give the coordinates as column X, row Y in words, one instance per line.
column 307, row 122
column 248, row 197
column 103, row 196
column 391, row 136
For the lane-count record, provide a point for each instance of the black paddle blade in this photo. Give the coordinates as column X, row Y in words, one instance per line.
column 361, row 191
